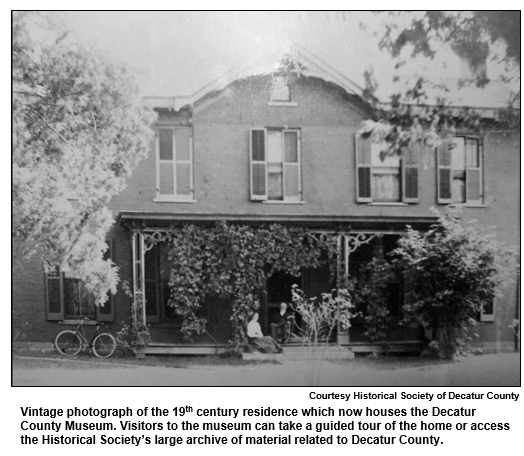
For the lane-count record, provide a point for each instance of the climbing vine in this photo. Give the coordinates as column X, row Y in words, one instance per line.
column 235, row 261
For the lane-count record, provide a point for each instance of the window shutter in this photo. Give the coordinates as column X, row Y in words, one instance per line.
column 258, row 164
column 410, row 169
column 444, row 173
column 184, row 173
column 54, row 293
column 165, row 162
column 363, row 168
column 292, row 183
column 473, row 171
column 106, row 311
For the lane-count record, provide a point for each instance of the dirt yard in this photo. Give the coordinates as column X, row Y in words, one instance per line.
column 486, row 370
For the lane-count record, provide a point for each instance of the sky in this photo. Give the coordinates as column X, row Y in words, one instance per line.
column 177, row 53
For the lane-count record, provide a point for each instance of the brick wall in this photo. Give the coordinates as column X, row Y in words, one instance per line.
column 328, row 119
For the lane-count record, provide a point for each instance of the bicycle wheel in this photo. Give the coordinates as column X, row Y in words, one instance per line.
column 104, row 345
column 68, row 343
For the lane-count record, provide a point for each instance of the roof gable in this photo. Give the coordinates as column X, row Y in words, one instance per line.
column 298, row 60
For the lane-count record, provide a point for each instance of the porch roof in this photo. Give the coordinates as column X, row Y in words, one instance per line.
column 160, row 220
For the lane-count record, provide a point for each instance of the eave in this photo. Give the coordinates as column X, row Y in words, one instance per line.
column 153, row 220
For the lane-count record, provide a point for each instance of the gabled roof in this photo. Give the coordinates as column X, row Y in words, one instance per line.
column 306, row 63
column 485, row 101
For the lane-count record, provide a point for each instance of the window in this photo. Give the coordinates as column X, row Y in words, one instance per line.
column 460, row 171
column 174, row 167
column 280, row 90
column 386, row 179
column 275, row 165
column 68, row 298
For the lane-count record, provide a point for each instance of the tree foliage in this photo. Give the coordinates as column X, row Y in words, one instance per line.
column 412, row 114
column 78, row 131
column 235, row 261
column 450, row 273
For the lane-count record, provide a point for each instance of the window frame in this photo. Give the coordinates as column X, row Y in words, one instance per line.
column 174, row 197
column 364, row 174
column 264, row 197
column 467, row 172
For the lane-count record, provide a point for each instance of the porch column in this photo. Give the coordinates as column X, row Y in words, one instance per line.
column 137, row 242
column 347, row 244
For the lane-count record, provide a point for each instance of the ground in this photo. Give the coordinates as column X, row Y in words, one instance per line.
column 485, row 370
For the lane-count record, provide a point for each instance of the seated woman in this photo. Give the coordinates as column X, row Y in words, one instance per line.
column 264, row 344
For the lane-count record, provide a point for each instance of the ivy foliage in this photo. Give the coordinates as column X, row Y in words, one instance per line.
column 235, row 261
column 369, row 292
column 78, row 131
column 451, row 272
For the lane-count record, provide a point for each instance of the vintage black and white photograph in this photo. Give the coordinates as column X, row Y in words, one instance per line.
column 266, row 198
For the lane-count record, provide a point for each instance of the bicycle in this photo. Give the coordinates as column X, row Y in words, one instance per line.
column 72, row 342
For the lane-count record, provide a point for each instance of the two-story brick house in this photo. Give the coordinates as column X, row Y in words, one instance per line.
column 275, row 148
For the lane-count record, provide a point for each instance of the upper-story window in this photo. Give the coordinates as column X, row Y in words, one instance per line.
column 280, row 90
column 174, row 164
column 275, row 165
column 459, row 174
column 386, row 179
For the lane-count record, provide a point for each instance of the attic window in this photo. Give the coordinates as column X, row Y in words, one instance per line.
column 280, row 90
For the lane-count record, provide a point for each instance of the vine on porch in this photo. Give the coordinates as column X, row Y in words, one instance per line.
column 235, row 261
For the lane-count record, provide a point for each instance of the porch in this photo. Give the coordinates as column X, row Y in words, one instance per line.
column 292, row 352
column 151, row 275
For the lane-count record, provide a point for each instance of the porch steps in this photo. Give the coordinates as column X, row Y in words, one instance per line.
column 302, row 353
column 181, row 349
column 291, row 351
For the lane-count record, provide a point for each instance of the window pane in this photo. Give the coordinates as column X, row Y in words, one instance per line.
column 165, row 144
column 274, row 146
column 291, row 180
column 78, row 301
column 459, row 189
column 290, row 147
column 183, row 179
column 280, row 90
column 257, row 145
column 182, row 143
column 275, row 182
column 53, row 290
column 166, row 179
column 259, row 178
column 473, row 182
column 385, row 186
column 472, row 151
column 458, row 154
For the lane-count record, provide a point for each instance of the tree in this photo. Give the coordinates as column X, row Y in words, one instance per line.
column 421, row 108
column 78, row 131
column 451, row 272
